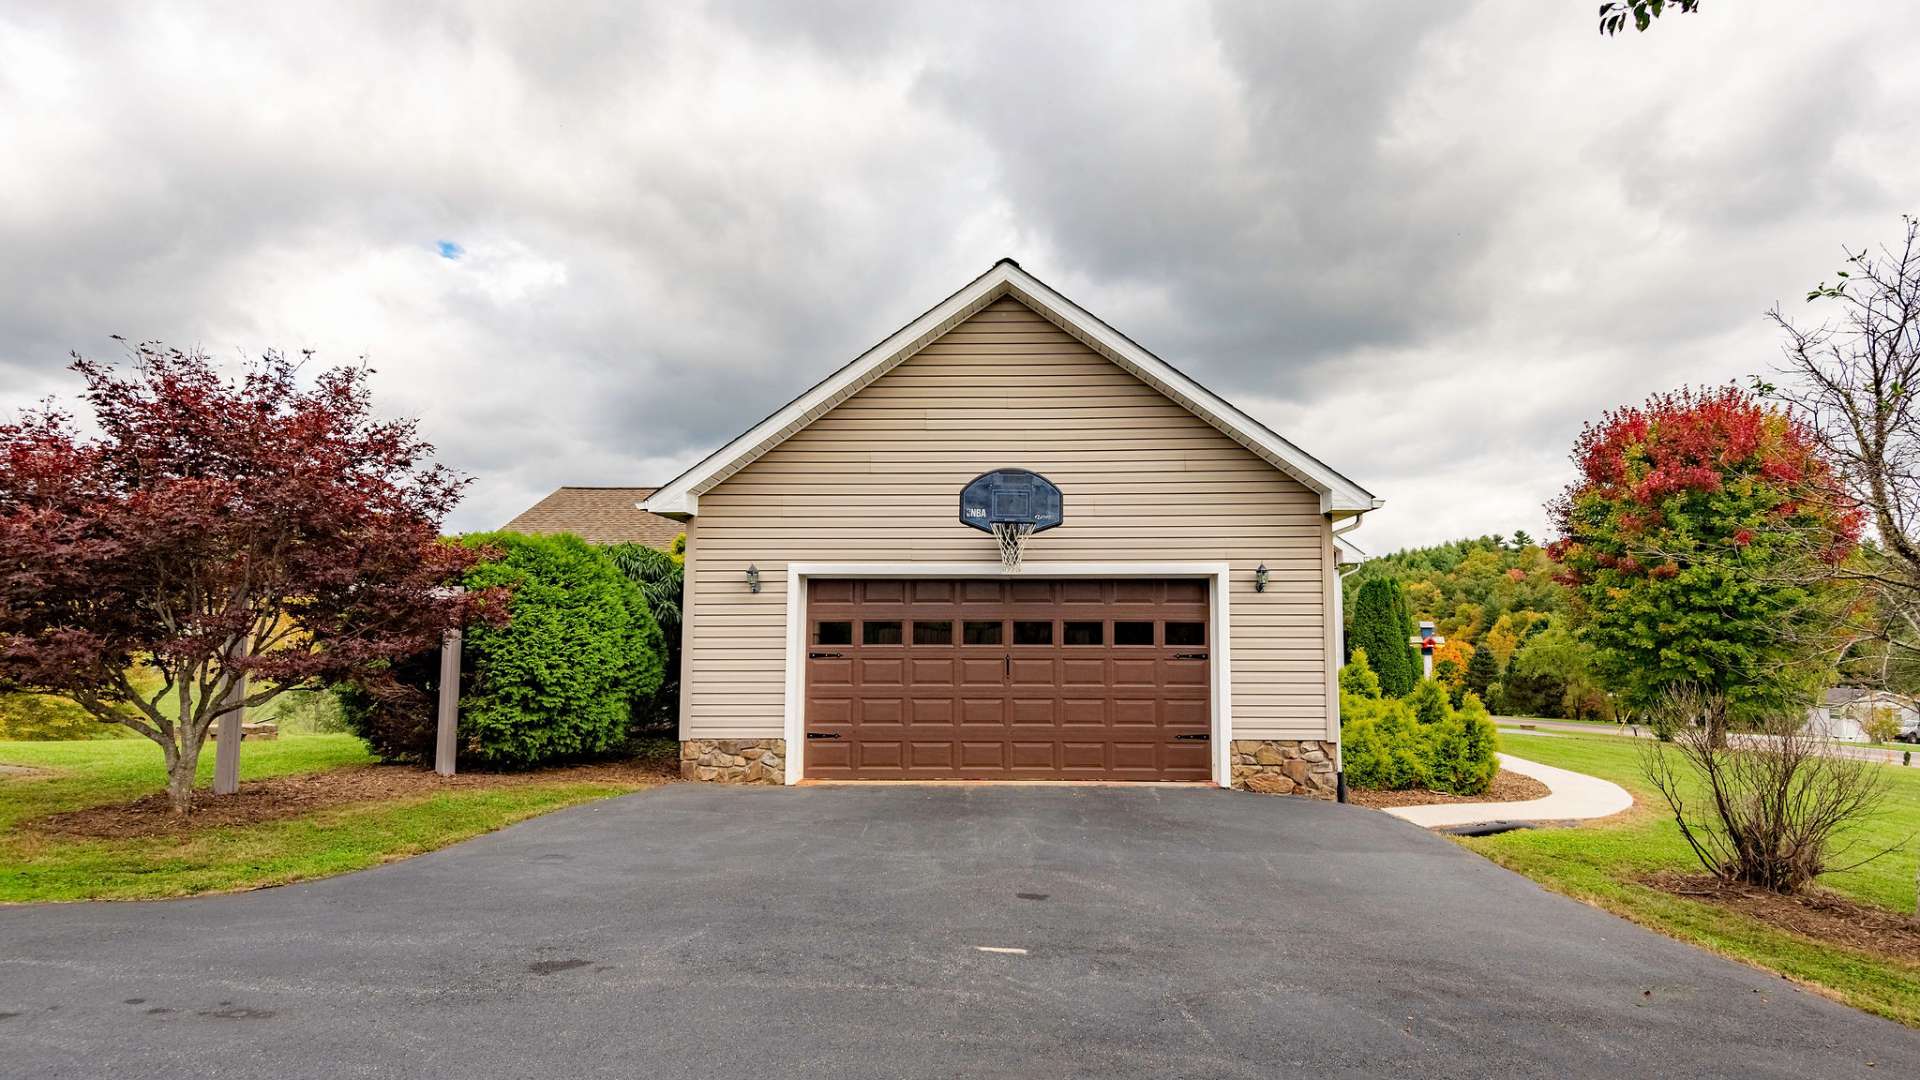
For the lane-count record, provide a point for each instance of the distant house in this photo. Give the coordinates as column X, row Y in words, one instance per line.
column 1843, row 709
column 599, row 515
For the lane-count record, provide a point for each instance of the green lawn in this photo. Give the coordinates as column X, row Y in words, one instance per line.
column 328, row 841
column 1598, row 863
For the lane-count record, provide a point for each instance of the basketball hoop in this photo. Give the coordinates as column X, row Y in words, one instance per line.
column 1012, row 536
column 1012, row 504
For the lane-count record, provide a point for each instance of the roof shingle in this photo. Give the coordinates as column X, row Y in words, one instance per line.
column 599, row 515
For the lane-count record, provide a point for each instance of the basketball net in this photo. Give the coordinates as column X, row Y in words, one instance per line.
column 1013, row 540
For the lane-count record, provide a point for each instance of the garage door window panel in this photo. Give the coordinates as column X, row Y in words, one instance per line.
column 1083, row 634
column 1186, row 633
column 1032, row 632
column 976, row 632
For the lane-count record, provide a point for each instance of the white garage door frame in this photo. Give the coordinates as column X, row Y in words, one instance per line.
column 1220, row 733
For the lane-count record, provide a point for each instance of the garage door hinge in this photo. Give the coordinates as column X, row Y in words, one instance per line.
column 1189, row 656
column 1202, row 737
column 823, row 734
column 826, row 656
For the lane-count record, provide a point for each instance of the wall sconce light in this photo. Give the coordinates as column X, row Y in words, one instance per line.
column 1260, row 578
column 753, row 578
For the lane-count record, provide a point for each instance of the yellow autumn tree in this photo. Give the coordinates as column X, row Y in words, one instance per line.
column 1508, row 631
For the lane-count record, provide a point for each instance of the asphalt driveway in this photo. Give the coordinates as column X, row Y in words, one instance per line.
column 697, row 931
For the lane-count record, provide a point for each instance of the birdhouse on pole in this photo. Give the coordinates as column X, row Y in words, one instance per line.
column 1426, row 641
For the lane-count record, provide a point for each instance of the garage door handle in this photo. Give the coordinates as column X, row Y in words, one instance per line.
column 823, row 734
column 1189, row 656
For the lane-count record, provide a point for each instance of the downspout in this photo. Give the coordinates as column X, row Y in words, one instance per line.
column 1340, row 650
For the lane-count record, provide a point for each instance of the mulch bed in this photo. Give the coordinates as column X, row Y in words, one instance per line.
column 1816, row 914
column 1507, row 787
column 293, row 796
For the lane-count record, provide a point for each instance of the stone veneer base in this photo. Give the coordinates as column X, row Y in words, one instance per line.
column 1272, row 766
column 734, row 761
column 1285, row 767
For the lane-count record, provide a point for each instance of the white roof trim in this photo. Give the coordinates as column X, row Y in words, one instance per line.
column 1339, row 496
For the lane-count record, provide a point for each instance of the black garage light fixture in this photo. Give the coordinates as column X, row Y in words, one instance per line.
column 1260, row 578
column 753, row 578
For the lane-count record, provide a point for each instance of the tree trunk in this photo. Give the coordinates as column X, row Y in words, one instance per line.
column 1715, row 722
column 180, row 774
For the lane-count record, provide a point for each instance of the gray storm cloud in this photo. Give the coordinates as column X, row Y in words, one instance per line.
column 1423, row 241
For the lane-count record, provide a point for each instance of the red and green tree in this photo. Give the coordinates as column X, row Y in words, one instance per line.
column 215, row 529
column 1693, row 540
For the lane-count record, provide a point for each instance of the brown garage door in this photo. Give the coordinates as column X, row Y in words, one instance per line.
column 1007, row 680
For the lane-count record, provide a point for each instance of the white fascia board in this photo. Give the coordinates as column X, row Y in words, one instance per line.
column 1339, row 497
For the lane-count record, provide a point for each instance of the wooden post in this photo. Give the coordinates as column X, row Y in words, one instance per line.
column 443, row 743
column 226, row 750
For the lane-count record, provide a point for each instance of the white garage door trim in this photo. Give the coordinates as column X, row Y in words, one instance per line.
column 1220, row 735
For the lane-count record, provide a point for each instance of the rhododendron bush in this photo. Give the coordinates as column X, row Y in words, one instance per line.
column 1693, row 540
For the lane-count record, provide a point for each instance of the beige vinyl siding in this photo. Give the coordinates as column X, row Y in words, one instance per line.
column 877, row 479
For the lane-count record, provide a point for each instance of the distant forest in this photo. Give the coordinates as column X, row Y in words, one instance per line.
column 1495, row 593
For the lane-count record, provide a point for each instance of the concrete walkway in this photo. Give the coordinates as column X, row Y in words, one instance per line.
column 1575, row 797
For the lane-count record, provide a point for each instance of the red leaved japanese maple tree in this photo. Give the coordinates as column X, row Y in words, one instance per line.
column 217, row 528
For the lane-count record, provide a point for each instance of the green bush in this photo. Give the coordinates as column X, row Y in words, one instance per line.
column 1358, row 679
column 1419, row 741
column 1463, row 758
column 1429, row 702
column 1381, row 745
column 559, row 681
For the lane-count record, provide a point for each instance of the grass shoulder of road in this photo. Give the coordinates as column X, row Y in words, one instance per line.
column 39, row 864
column 1604, row 724
column 1606, row 863
column 1619, row 728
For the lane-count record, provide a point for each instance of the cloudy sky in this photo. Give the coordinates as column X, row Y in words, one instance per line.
column 588, row 243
